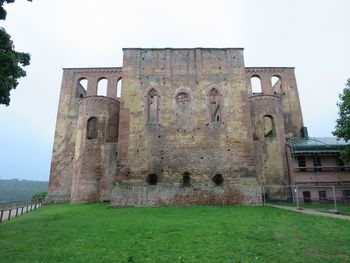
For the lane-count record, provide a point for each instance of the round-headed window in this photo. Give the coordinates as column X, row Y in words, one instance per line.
column 186, row 180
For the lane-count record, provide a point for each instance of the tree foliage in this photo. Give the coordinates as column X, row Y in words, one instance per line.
column 10, row 61
column 342, row 128
column 39, row 196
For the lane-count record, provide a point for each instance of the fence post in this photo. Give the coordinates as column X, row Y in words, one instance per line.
column 9, row 216
column 263, row 194
column 297, row 195
column 334, row 198
column 2, row 213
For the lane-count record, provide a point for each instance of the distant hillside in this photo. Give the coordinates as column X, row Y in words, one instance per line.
column 17, row 190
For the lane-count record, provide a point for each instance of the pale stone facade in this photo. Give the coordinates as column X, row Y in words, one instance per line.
column 187, row 125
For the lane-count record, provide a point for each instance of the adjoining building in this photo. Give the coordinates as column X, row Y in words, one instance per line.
column 316, row 168
column 188, row 128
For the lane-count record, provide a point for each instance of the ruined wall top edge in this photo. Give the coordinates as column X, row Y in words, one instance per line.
column 204, row 48
column 93, row 69
column 264, row 96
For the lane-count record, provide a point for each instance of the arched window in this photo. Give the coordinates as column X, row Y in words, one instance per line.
column 268, row 126
column 102, row 87
column 152, row 179
column 186, row 180
column 255, row 83
column 119, row 88
column 276, row 84
column 82, row 87
column 153, row 105
column 218, row 180
column 91, row 128
column 215, row 107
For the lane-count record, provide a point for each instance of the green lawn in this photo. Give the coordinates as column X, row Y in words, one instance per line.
column 92, row 233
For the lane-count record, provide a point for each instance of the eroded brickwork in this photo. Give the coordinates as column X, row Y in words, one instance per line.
column 187, row 126
column 188, row 112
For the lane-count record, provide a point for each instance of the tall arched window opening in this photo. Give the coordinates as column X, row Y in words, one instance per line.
column 215, row 107
column 276, row 84
column 186, row 180
column 102, row 87
column 82, row 88
column 91, row 128
column 255, row 83
column 119, row 88
column 153, row 105
column 268, row 126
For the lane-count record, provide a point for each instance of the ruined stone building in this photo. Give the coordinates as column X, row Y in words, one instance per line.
column 188, row 125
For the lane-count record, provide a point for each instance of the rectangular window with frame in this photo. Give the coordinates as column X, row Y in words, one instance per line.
column 346, row 194
column 317, row 163
column 322, row 195
column 301, row 163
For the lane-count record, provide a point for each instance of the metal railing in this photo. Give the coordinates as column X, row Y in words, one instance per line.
column 325, row 198
column 10, row 210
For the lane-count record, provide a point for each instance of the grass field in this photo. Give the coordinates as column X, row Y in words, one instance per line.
column 92, row 233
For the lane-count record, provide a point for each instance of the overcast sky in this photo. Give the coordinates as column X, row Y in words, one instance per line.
column 312, row 36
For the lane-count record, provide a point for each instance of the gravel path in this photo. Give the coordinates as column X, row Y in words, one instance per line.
column 311, row 212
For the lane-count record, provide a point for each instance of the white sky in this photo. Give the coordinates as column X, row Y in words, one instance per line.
column 311, row 35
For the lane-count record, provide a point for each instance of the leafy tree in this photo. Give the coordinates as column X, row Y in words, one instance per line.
column 10, row 61
column 342, row 128
column 39, row 196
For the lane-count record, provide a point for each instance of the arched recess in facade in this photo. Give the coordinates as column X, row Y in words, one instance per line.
column 255, row 83
column 118, row 87
column 102, row 85
column 91, row 128
column 269, row 126
column 276, row 84
column 82, row 87
column 153, row 106
column 215, row 105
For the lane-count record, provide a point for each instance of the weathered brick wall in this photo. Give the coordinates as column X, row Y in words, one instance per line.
column 184, row 139
column 243, row 192
column 62, row 164
column 286, row 89
column 95, row 158
column 270, row 156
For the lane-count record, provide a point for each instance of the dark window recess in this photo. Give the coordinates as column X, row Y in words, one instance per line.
column 91, row 129
column 322, row 195
column 186, row 180
column 301, row 163
column 152, row 179
column 340, row 163
column 317, row 163
column 218, row 180
column 346, row 194
column 307, row 197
